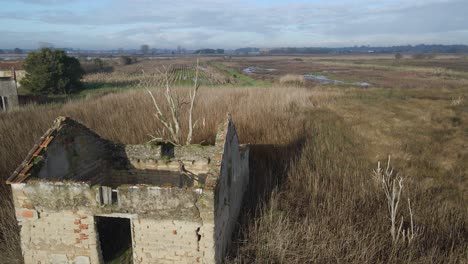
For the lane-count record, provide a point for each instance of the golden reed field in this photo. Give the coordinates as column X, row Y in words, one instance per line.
column 316, row 194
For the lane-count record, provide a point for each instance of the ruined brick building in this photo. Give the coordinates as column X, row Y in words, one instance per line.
column 9, row 81
column 82, row 199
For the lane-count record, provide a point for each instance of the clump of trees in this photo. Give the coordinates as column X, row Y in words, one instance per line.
column 52, row 72
column 127, row 60
column 398, row 56
column 145, row 49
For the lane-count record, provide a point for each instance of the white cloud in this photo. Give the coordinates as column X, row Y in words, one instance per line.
column 216, row 23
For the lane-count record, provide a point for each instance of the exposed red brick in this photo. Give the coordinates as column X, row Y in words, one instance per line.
column 38, row 150
column 26, row 169
column 27, row 214
column 83, row 226
column 218, row 157
column 84, row 217
column 77, row 240
column 77, row 222
column 174, row 232
column 76, row 231
column 47, row 141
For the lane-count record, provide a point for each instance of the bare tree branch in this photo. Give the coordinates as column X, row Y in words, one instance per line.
column 192, row 103
column 175, row 104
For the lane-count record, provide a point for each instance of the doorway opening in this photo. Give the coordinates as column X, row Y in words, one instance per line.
column 115, row 237
column 3, row 103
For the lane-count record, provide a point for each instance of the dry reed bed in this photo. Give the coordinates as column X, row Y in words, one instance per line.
column 261, row 115
column 128, row 117
column 311, row 168
column 328, row 210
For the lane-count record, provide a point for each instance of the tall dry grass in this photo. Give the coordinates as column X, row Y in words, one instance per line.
column 128, row 117
column 292, row 80
column 311, row 197
column 329, row 210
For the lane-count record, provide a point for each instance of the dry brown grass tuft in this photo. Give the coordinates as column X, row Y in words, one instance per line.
column 292, row 80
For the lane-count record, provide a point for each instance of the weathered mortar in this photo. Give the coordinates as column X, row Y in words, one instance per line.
column 149, row 201
column 182, row 202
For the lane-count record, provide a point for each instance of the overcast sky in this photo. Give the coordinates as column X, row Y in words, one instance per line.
column 107, row 24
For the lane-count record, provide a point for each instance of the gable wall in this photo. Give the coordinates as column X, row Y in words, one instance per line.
column 74, row 155
column 230, row 190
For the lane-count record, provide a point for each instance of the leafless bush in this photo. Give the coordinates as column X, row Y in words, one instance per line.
column 392, row 186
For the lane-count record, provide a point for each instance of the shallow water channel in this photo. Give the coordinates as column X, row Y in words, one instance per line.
column 322, row 79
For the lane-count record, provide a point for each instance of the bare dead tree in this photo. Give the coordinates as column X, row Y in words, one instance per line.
column 172, row 123
column 193, row 95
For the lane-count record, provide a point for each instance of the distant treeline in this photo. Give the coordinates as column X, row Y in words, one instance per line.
column 209, row 51
column 361, row 49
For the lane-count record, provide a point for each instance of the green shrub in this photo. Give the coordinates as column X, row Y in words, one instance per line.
column 125, row 60
column 52, row 72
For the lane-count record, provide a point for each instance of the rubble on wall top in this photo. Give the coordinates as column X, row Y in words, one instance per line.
column 66, row 133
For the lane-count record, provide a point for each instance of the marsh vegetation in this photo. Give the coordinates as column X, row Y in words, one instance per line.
column 312, row 196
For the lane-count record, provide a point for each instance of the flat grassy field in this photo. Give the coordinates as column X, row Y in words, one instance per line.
column 314, row 147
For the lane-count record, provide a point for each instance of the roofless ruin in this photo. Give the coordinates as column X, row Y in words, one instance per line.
column 83, row 199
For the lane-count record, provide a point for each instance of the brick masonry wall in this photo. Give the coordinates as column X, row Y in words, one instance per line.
column 172, row 242
column 60, row 237
column 71, row 238
column 58, row 225
column 155, row 173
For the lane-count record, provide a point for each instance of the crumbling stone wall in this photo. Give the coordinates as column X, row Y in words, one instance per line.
column 182, row 203
column 174, row 241
column 75, row 153
column 8, row 90
column 170, row 225
column 230, row 189
column 50, row 234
